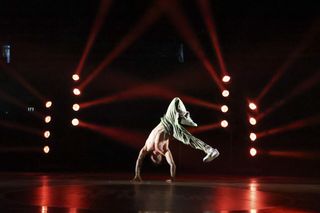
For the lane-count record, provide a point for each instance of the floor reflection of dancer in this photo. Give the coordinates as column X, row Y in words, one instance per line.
column 171, row 125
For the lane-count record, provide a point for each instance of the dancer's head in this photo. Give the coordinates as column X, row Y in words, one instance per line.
column 156, row 158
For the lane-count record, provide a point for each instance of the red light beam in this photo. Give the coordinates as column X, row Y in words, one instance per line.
column 20, row 127
column 148, row 18
column 304, row 86
column 125, row 136
column 22, row 81
column 149, row 90
column 295, row 154
column 180, row 22
column 292, row 126
column 308, row 38
column 199, row 102
column 18, row 103
column 205, row 128
column 99, row 20
column 205, row 6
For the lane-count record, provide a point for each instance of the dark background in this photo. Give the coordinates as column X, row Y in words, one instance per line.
column 256, row 38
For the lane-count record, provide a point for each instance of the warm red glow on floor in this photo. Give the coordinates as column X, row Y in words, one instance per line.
column 125, row 136
column 179, row 20
column 205, row 7
column 70, row 195
column 146, row 20
column 99, row 20
column 292, row 126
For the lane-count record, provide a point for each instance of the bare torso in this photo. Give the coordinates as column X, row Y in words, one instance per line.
column 158, row 140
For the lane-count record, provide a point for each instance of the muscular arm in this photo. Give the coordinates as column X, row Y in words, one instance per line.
column 141, row 156
column 170, row 161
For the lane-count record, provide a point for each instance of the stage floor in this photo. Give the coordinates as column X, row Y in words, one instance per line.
column 76, row 193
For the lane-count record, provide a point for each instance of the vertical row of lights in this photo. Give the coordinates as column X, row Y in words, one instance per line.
column 47, row 120
column 76, row 106
column 252, row 121
column 225, row 93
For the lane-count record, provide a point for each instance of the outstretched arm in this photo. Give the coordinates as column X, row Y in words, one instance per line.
column 139, row 161
column 170, row 161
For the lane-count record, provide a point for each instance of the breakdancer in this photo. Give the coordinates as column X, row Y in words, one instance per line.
column 171, row 125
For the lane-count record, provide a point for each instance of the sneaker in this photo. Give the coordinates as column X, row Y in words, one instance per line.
column 211, row 155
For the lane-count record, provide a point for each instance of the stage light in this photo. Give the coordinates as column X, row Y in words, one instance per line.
column 46, row 134
column 252, row 106
column 224, row 123
column 48, row 104
column 76, row 107
column 75, row 77
column 253, row 136
column 253, row 152
column 252, row 121
column 46, row 149
column 224, row 108
column 47, row 119
column 225, row 93
column 226, row 78
column 76, row 91
column 75, row 122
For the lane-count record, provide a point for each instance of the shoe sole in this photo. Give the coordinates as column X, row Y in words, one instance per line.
column 212, row 157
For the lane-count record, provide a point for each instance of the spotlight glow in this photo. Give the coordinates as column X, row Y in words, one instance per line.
column 252, row 106
column 46, row 149
column 75, row 77
column 253, row 152
column 76, row 107
column 225, row 93
column 46, row 134
column 226, row 78
column 224, row 108
column 252, row 121
column 76, row 91
column 47, row 119
column 48, row 104
column 224, row 123
column 75, row 122
column 253, row 136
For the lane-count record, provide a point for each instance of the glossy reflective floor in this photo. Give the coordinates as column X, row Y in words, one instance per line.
column 76, row 193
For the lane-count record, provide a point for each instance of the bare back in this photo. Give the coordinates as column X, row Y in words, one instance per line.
column 158, row 140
